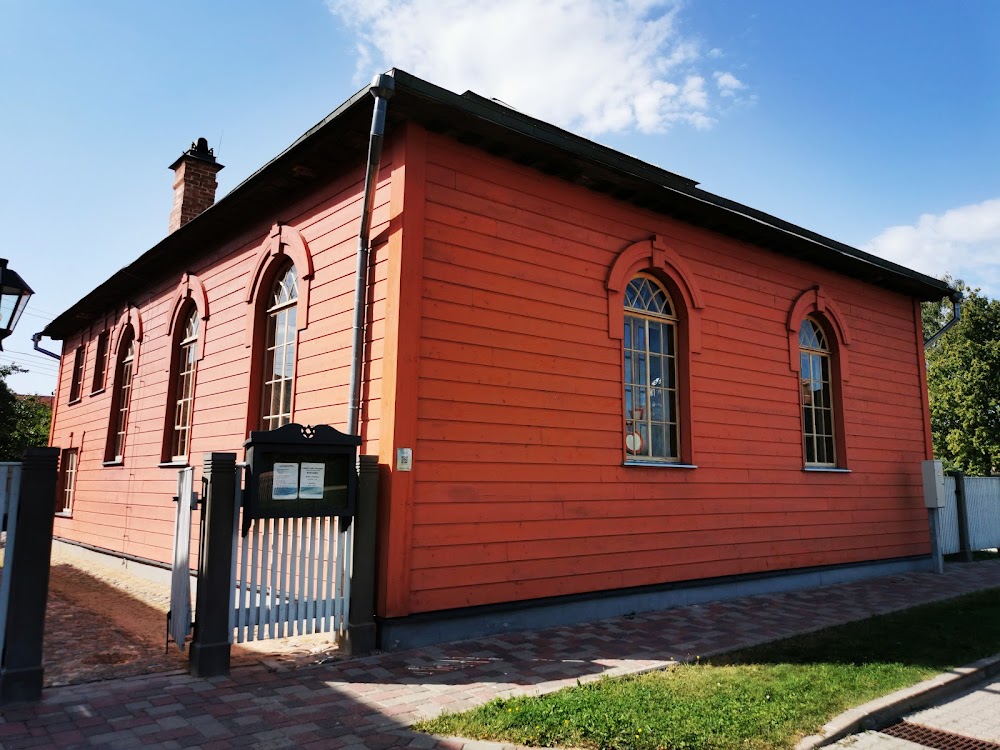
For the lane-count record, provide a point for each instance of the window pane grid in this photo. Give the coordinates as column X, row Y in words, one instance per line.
column 279, row 353
column 124, row 396
column 100, row 363
column 181, row 439
column 69, row 457
column 76, row 385
column 651, row 418
column 816, row 391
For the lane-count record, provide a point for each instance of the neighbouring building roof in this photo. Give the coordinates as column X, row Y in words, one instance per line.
column 340, row 142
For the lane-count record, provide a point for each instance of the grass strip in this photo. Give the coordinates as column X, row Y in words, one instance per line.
column 763, row 697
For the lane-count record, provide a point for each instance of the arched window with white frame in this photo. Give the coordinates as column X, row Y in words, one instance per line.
column 817, row 395
column 278, row 375
column 652, row 413
column 122, row 397
column 183, row 402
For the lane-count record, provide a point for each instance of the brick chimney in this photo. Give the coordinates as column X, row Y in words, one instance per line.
column 194, row 183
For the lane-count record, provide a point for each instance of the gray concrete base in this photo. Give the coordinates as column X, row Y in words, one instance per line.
column 476, row 622
column 147, row 570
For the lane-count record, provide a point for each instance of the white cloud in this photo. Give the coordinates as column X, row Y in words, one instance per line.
column 596, row 66
column 728, row 83
column 963, row 242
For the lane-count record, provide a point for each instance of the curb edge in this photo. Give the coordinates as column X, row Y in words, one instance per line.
column 880, row 712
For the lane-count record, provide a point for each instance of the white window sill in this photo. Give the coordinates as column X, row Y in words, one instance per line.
column 173, row 465
column 64, row 514
column 826, row 469
column 115, row 462
column 659, row 465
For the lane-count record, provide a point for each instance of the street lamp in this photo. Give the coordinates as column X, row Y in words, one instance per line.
column 14, row 295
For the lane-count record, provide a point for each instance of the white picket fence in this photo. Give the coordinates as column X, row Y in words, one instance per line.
column 982, row 502
column 292, row 576
column 10, row 491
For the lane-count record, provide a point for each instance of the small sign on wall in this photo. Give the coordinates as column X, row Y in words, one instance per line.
column 404, row 459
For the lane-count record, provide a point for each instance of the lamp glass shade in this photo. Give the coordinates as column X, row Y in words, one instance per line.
column 14, row 294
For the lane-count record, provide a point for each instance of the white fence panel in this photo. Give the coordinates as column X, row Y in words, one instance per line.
column 982, row 503
column 10, row 492
column 948, row 516
column 291, row 576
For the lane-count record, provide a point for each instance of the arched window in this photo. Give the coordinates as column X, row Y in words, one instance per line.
column 652, row 423
column 279, row 351
column 124, row 371
column 186, row 357
column 818, row 409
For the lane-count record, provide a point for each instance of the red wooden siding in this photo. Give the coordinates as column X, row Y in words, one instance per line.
column 127, row 508
column 489, row 356
column 519, row 487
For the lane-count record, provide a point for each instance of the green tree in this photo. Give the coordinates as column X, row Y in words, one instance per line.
column 24, row 422
column 935, row 314
column 963, row 380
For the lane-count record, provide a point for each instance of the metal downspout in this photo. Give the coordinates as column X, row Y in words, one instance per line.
column 382, row 89
column 37, row 338
column 956, row 307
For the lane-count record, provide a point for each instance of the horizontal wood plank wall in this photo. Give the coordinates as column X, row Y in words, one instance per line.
column 128, row 508
column 520, row 490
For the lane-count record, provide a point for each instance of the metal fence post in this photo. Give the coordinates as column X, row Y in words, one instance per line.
column 211, row 646
column 361, row 633
column 27, row 563
column 962, row 508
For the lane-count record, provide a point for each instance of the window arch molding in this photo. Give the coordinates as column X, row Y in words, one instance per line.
column 654, row 258
column 817, row 305
column 283, row 244
column 814, row 305
column 191, row 291
column 129, row 319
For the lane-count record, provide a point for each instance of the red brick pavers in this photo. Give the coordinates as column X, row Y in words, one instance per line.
column 368, row 702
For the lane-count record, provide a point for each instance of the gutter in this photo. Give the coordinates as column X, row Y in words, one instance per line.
column 956, row 315
column 382, row 88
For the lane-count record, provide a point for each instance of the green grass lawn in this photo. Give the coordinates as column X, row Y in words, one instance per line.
column 763, row 697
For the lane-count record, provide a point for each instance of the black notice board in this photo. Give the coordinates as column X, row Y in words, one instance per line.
column 300, row 471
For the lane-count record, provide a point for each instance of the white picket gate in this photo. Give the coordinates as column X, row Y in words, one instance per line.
column 179, row 619
column 10, row 491
column 291, row 576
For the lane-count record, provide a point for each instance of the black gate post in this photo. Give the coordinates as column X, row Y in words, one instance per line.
column 210, row 647
column 361, row 618
column 27, row 562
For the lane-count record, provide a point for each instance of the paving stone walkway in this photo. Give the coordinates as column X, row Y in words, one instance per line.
column 369, row 702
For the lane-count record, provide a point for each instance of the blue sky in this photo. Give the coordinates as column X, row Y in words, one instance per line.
column 875, row 123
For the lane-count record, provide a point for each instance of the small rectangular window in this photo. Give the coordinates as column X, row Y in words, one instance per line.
column 67, row 482
column 76, row 384
column 100, row 363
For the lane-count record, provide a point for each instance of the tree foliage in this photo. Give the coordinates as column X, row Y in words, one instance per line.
column 24, row 422
column 963, row 380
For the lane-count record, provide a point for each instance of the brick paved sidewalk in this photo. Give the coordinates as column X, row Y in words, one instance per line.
column 369, row 702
